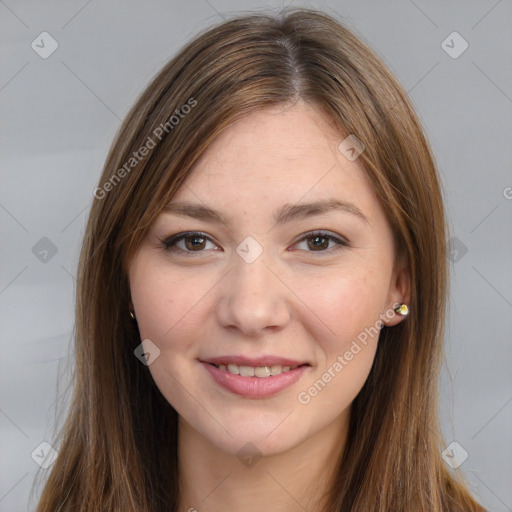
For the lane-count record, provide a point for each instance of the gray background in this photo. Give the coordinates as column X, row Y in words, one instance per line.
column 59, row 116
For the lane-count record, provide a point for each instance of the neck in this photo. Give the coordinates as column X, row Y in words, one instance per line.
column 298, row 479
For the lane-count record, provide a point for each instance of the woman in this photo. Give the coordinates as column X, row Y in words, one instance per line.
column 267, row 217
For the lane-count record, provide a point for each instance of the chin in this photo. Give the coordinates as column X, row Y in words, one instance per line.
column 254, row 442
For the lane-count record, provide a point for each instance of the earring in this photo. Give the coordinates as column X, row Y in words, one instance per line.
column 402, row 309
column 132, row 315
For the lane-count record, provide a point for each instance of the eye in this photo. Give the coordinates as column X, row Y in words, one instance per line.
column 196, row 242
column 320, row 241
column 187, row 242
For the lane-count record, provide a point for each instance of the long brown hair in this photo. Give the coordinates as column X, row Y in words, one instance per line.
column 117, row 448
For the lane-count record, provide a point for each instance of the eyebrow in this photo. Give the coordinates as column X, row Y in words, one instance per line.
column 287, row 213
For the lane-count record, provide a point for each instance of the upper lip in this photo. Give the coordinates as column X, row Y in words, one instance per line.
column 253, row 361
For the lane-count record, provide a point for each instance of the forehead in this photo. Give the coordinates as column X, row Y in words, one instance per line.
column 277, row 156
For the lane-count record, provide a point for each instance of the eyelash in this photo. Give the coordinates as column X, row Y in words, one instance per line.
column 170, row 243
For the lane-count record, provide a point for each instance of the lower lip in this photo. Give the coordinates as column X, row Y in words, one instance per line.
column 255, row 387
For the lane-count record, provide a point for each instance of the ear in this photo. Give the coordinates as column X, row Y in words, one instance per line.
column 399, row 291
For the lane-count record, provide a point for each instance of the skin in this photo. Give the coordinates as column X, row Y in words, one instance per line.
column 294, row 300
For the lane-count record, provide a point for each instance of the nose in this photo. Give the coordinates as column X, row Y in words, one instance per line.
column 253, row 299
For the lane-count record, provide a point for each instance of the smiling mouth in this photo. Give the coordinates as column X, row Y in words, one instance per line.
column 258, row 371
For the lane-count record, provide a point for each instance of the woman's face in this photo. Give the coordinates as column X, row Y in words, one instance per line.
column 267, row 277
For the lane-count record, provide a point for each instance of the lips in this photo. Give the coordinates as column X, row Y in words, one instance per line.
column 255, row 377
column 254, row 385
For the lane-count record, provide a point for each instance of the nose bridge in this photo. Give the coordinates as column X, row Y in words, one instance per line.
column 253, row 298
column 252, row 278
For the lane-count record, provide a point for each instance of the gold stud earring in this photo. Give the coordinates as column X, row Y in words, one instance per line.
column 402, row 309
column 132, row 315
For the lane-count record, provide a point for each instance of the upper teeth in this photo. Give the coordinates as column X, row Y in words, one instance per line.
column 258, row 371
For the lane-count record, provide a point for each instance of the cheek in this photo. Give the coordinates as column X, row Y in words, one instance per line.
column 345, row 304
column 349, row 308
column 344, row 320
column 166, row 301
column 169, row 310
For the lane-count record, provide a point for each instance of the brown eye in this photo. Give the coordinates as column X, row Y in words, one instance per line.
column 195, row 242
column 187, row 242
column 320, row 242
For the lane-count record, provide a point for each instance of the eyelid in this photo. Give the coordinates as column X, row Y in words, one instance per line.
column 323, row 232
